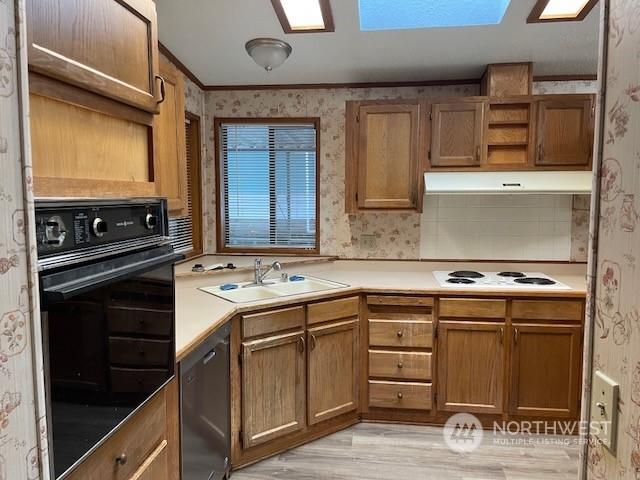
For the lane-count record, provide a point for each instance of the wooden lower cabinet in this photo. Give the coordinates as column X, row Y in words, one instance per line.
column 546, row 362
column 273, row 387
column 471, row 359
column 146, row 447
column 333, row 370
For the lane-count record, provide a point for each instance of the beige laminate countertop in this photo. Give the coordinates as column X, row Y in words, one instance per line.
column 198, row 314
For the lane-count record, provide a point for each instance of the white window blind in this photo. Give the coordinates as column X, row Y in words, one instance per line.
column 181, row 228
column 268, row 190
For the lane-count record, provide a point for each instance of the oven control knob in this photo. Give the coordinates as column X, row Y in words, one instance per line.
column 54, row 232
column 99, row 227
column 150, row 221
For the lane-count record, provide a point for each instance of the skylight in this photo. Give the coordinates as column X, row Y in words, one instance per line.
column 405, row 14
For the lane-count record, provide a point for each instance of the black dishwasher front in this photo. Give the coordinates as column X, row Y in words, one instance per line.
column 205, row 412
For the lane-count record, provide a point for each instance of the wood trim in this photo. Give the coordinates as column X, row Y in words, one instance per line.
column 409, row 83
column 318, row 86
column 220, row 247
column 538, row 8
column 565, row 78
column 327, row 17
column 196, row 185
column 179, row 65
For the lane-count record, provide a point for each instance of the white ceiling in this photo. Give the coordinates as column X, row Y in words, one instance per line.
column 208, row 36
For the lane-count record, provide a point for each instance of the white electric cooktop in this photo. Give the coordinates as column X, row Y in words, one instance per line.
column 466, row 279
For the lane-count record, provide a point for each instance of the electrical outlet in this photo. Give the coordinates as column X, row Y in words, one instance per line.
column 604, row 409
column 368, row 241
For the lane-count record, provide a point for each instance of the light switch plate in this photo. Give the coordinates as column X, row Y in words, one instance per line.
column 604, row 409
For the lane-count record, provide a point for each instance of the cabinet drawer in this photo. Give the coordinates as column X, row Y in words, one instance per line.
column 402, row 365
column 472, row 308
column 137, row 380
column 140, row 321
column 139, row 352
column 547, row 310
column 142, row 439
column 392, row 333
column 272, row 321
column 410, row 395
column 400, row 300
column 333, row 310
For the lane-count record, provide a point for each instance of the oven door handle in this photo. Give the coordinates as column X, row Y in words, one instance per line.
column 61, row 286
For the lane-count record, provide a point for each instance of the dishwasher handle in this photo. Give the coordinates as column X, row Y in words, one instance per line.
column 209, row 356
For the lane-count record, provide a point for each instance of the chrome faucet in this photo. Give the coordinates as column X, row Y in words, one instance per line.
column 259, row 274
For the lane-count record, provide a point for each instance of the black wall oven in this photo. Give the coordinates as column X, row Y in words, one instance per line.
column 107, row 294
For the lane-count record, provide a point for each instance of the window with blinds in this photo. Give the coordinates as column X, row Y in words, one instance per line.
column 268, row 191
column 184, row 231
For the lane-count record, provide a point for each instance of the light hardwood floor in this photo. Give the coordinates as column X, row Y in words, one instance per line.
column 379, row 452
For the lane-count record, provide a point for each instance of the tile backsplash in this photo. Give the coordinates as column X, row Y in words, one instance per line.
column 502, row 227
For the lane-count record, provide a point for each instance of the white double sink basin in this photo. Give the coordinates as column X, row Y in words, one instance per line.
column 269, row 291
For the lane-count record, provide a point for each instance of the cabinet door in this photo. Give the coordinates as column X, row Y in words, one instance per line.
column 105, row 46
column 273, row 393
column 565, row 131
column 170, row 149
column 457, row 133
column 471, row 358
column 546, row 367
column 333, row 370
column 388, row 176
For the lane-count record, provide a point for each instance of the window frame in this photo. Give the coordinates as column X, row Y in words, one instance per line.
column 220, row 227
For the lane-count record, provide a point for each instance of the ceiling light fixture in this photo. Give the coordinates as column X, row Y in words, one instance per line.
column 269, row 53
column 560, row 10
column 304, row 16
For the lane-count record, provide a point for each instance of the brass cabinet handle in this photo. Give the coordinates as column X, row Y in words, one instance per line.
column 163, row 91
column 516, row 335
column 400, row 333
column 478, row 154
column 301, row 344
column 121, row 459
column 500, row 334
column 400, row 395
column 312, row 342
column 400, row 365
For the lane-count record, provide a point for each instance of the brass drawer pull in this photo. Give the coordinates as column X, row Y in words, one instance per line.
column 400, row 365
column 121, row 459
column 399, row 395
column 400, row 333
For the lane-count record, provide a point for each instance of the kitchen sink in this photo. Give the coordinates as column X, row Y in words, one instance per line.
column 269, row 291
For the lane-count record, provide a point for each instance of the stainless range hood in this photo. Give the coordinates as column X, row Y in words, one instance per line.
column 570, row 182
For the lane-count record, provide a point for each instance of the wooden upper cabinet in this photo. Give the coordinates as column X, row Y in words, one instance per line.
column 86, row 145
column 565, row 131
column 273, row 387
column 333, row 370
column 546, row 365
column 471, row 359
column 383, row 148
column 105, row 46
column 170, row 142
column 507, row 79
column 457, row 133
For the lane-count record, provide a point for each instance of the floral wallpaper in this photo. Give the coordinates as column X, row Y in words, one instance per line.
column 395, row 235
column 616, row 349
column 23, row 445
